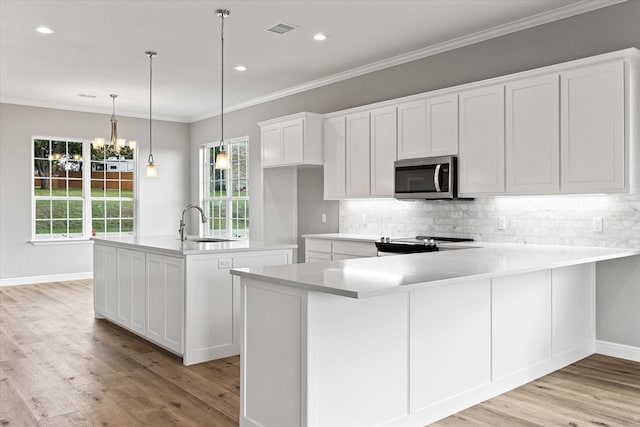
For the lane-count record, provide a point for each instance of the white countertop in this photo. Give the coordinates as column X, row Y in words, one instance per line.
column 365, row 277
column 171, row 245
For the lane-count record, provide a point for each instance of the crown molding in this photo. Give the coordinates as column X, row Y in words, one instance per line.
column 511, row 27
column 30, row 103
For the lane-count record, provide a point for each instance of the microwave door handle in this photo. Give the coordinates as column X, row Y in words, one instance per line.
column 436, row 177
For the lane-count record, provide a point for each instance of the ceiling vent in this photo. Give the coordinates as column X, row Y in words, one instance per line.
column 281, row 28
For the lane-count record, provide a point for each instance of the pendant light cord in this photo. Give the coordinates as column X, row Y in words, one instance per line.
column 150, row 54
column 222, row 15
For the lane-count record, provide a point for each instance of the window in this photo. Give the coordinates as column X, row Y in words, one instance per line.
column 68, row 202
column 225, row 193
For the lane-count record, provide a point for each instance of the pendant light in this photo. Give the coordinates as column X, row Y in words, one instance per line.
column 222, row 159
column 152, row 171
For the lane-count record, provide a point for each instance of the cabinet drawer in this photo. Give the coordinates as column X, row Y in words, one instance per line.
column 318, row 245
column 361, row 249
column 312, row 256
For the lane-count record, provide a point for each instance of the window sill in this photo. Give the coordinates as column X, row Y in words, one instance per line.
column 81, row 240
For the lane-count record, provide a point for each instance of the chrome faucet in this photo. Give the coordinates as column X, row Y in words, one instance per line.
column 182, row 223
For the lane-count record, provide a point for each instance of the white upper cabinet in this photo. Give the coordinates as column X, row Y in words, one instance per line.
column 442, row 125
column 533, row 135
column 358, row 155
column 383, row 151
column 481, row 160
column 334, row 158
column 292, row 140
column 428, row 127
column 412, row 130
column 593, row 135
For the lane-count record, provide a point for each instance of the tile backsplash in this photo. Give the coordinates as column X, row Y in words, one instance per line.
column 559, row 220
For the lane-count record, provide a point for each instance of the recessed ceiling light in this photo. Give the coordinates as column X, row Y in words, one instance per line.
column 320, row 37
column 240, row 68
column 45, row 30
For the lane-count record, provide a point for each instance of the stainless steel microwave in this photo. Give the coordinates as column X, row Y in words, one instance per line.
column 426, row 178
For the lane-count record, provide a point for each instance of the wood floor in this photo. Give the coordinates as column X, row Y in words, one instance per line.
column 61, row 367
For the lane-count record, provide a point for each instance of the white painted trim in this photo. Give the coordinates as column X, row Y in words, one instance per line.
column 621, row 351
column 31, row 103
column 45, row 278
column 500, row 30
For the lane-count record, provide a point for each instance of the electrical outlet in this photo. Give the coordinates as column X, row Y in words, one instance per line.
column 596, row 224
column 224, row 263
column 502, row 223
column 323, row 218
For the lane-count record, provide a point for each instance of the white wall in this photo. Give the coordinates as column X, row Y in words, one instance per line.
column 160, row 200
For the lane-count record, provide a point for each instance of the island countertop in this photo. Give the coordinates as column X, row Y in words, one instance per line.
column 366, row 277
column 171, row 245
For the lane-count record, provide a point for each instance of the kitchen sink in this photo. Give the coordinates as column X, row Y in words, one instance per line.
column 208, row 239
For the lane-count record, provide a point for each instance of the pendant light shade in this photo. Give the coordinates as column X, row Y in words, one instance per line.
column 222, row 159
column 152, row 171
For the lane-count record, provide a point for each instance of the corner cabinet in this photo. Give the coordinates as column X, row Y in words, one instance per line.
column 292, row 140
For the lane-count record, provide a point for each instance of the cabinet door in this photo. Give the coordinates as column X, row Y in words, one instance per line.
column 271, row 149
column 533, row 135
column 412, row 130
column 104, row 281
column 334, row 158
column 442, row 125
column 165, row 301
column 482, row 141
column 358, row 160
column 293, row 142
column 131, row 308
column 383, row 151
column 592, row 138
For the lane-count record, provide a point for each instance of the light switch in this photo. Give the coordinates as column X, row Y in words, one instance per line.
column 323, row 218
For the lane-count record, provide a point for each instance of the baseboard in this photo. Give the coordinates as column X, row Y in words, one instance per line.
column 45, row 279
column 621, row 351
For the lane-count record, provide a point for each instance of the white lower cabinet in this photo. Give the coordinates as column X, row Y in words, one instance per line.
column 131, row 292
column 444, row 347
column 165, row 301
column 319, row 250
column 104, row 281
column 190, row 305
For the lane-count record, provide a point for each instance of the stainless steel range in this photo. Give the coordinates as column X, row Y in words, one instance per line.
column 410, row 245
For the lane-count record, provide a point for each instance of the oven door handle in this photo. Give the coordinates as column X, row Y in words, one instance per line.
column 436, row 177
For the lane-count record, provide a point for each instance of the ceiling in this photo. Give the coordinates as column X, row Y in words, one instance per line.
column 98, row 47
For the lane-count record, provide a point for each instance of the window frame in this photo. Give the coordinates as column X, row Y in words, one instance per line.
column 205, row 180
column 86, row 197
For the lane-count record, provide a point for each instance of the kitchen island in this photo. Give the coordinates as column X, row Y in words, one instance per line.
column 406, row 340
column 178, row 295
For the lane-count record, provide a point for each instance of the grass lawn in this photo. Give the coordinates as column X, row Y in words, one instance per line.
column 65, row 216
